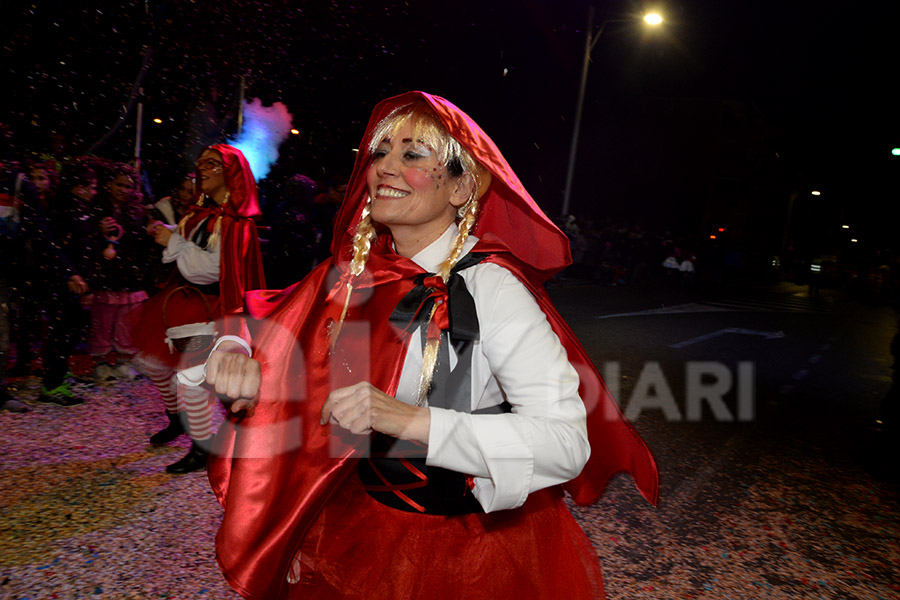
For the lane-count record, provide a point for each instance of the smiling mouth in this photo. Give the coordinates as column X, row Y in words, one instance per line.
column 389, row 192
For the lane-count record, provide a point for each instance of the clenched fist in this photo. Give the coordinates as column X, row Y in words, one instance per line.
column 234, row 375
column 363, row 408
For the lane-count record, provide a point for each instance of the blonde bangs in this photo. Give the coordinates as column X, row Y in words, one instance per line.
column 426, row 129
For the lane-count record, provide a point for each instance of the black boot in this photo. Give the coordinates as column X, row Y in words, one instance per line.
column 194, row 460
column 172, row 430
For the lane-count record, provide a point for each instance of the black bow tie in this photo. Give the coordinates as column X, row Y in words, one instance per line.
column 412, row 311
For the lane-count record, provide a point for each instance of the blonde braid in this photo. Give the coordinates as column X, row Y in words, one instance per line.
column 362, row 240
column 430, row 354
column 362, row 244
column 183, row 222
column 470, row 212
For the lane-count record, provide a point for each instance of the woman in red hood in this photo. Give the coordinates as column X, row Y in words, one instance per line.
column 415, row 406
column 216, row 251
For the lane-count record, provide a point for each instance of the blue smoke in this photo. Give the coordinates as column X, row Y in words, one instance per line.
column 264, row 129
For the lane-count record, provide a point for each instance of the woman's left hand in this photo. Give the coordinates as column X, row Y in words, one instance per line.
column 108, row 226
column 363, row 408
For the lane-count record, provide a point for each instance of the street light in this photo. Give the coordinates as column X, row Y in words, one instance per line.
column 590, row 41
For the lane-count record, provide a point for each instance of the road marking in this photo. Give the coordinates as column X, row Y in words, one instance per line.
column 766, row 334
column 690, row 307
column 802, row 373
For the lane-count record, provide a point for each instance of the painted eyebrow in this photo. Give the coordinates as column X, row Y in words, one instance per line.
column 387, row 140
column 419, row 141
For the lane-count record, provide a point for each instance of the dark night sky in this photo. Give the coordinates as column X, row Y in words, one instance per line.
column 815, row 73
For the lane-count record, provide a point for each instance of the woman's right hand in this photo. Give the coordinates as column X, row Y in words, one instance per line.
column 234, row 375
column 160, row 232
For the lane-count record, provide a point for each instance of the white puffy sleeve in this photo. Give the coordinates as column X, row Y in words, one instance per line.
column 195, row 264
column 543, row 441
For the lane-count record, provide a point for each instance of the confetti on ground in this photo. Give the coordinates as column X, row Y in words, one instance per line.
column 86, row 511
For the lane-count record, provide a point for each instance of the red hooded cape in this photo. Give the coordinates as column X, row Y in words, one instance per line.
column 275, row 470
column 240, row 267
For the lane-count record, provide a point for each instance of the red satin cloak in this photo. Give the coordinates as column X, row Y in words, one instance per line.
column 274, row 471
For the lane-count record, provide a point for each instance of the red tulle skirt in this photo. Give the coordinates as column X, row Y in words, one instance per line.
column 360, row 548
column 149, row 324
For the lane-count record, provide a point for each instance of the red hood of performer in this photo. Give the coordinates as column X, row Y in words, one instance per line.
column 507, row 210
column 240, row 182
column 240, row 266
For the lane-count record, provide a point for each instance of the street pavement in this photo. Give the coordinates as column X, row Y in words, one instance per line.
column 788, row 488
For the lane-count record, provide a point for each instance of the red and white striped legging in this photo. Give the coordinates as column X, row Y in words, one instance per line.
column 196, row 402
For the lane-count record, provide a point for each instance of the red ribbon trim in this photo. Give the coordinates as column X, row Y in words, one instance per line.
column 396, row 489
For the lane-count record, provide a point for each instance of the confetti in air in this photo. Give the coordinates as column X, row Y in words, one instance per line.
column 264, row 129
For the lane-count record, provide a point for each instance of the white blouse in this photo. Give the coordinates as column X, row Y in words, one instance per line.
column 196, row 264
column 519, row 359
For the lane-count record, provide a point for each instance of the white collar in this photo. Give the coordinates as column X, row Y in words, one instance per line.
column 430, row 257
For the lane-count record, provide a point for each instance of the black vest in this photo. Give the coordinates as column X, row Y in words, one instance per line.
column 394, row 472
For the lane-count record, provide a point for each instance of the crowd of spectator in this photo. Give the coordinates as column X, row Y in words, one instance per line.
column 612, row 253
column 78, row 260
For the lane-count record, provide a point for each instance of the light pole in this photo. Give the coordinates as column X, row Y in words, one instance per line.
column 139, row 129
column 590, row 41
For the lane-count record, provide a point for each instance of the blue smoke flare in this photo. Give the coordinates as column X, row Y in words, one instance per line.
column 264, row 129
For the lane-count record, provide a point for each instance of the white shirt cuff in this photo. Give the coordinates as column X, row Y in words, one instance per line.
column 489, row 447
column 196, row 376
